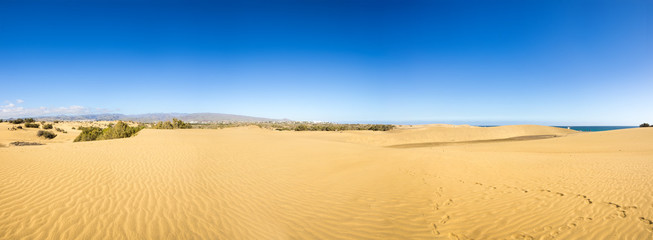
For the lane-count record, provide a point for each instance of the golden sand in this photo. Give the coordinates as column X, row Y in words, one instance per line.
column 250, row 183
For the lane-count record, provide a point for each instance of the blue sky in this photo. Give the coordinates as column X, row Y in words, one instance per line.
column 479, row 62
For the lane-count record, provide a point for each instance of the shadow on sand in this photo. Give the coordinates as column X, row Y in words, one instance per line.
column 435, row 144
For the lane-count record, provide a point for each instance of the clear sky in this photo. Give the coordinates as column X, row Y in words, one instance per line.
column 480, row 62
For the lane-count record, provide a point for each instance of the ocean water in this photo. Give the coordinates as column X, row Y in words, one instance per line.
column 595, row 128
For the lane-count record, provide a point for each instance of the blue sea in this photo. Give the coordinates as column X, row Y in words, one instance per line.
column 595, row 128
column 577, row 128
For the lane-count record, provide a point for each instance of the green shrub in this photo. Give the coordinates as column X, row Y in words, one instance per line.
column 175, row 124
column 29, row 120
column 300, row 126
column 31, row 125
column 119, row 130
column 88, row 134
column 644, row 125
column 381, row 127
column 47, row 126
column 60, row 130
column 17, row 121
column 46, row 134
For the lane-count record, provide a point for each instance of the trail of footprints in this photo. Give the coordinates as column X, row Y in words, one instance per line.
column 436, row 207
column 444, row 219
column 620, row 211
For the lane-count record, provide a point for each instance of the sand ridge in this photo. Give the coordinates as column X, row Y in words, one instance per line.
column 250, row 183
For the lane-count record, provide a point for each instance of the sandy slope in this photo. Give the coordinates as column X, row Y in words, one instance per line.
column 441, row 133
column 249, row 183
column 29, row 134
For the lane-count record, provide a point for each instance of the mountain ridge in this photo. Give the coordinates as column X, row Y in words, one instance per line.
column 155, row 117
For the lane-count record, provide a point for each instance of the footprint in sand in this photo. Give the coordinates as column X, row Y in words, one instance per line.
column 522, row 236
column 435, row 229
column 444, row 219
column 614, row 204
column 587, row 200
column 648, row 223
column 621, row 214
column 435, row 206
column 554, row 233
column 454, row 236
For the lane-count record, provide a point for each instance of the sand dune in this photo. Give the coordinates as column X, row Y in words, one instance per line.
column 250, row 183
column 448, row 133
column 29, row 134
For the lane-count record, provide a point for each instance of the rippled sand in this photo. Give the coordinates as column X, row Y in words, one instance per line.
column 250, row 183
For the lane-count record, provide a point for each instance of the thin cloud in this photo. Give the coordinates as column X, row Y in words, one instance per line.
column 13, row 110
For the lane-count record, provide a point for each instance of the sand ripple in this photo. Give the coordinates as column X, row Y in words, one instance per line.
column 254, row 184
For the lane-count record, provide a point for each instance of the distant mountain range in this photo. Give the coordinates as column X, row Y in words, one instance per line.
column 155, row 117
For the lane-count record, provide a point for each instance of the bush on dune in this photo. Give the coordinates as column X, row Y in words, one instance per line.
column 175, row 124
column 17, row 121
column 337, row 127
column 644, row 125
column 47, row 126
column 32, row 125
column 119, row 130
column 300, row 126
column 88, row 134
column 381, row 127
column 21, row 120
column 46, row 134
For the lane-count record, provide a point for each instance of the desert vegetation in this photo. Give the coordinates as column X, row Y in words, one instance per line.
column 46, row 134
column 644, row 125
column 175, row 124
column 119, row 130
column 17, row 121
column 47, row 126
column 20, row 143
column 21, row 120
column 32, row 125
column 302, row 126
column 60, row 130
